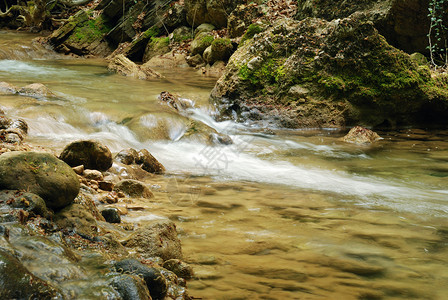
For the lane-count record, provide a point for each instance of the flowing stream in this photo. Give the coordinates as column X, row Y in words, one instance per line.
column 280, row 214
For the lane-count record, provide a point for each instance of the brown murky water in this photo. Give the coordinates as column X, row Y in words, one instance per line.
column 295, row 215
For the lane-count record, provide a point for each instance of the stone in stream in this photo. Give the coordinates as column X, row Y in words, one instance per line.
column 78, row 219
column 91, row 154
column 155, row 281
column 361, row 135
column 22, row 200
column 41, row 174
column 127, row 156
column 179, row 268
column 36, row 90
column 156, row 239
column 150, row 163
column 130, row 287
column 93, row 175
column 18, row 283
column 7, row 88
column 111, row 215
column 133, row 188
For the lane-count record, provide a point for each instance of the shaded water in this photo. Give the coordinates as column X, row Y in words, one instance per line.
column 295, row 215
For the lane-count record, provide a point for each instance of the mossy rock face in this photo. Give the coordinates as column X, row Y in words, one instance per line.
column 404, row 24
column 220, row 49
column 41, row 174
column 315, row 73
column 241, row 18
column 156, row 46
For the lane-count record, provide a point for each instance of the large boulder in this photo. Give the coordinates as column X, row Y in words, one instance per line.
column 92, row 154
column 405, row 24
column 158, row 239
column 41, row 174
column 315, row 73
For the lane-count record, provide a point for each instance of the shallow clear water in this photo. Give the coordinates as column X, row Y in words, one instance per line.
column 294, row 215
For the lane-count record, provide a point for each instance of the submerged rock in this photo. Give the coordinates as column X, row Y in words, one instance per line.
column 7, row 88
column 361, row 135
column 133, row 188
column 91, row 154
column 18, row 283
column 156, row 239
column 41, row 174
column 36, row 90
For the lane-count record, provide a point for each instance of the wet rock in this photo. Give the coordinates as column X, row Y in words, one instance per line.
column 112, row 245
column 111, row 215
column 10, row 137
column 5, row 122
column 127, row 156
column 106, row 185
column 361, row 135
column 78, row 169
column 179, row 268
column 126, row 67
column 91, row 154
column 36, row 90
column 155, row 281
column 201, row 42
column 156, row 239
column 93, row 175
column 27, row 201
column 149, row 163
column 41, row 174
column 130, row 287
column 18, row 283
column 7, row 88
column 179, row 104
column 133, row 188
column 76, row 218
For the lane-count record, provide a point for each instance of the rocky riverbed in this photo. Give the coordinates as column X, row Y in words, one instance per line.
column 61, row 231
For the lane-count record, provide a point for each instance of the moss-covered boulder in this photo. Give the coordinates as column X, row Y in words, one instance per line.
column 156, row 46
column 315, row 73
column 41, row 174
column 242, row 17
column 201, row 42
column 219, row 50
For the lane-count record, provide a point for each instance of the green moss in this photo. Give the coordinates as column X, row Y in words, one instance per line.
column 207, row 40
column 251, row 31
column 270, row 72
column 89, row 31
column 221, row 42
column 152, row 32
